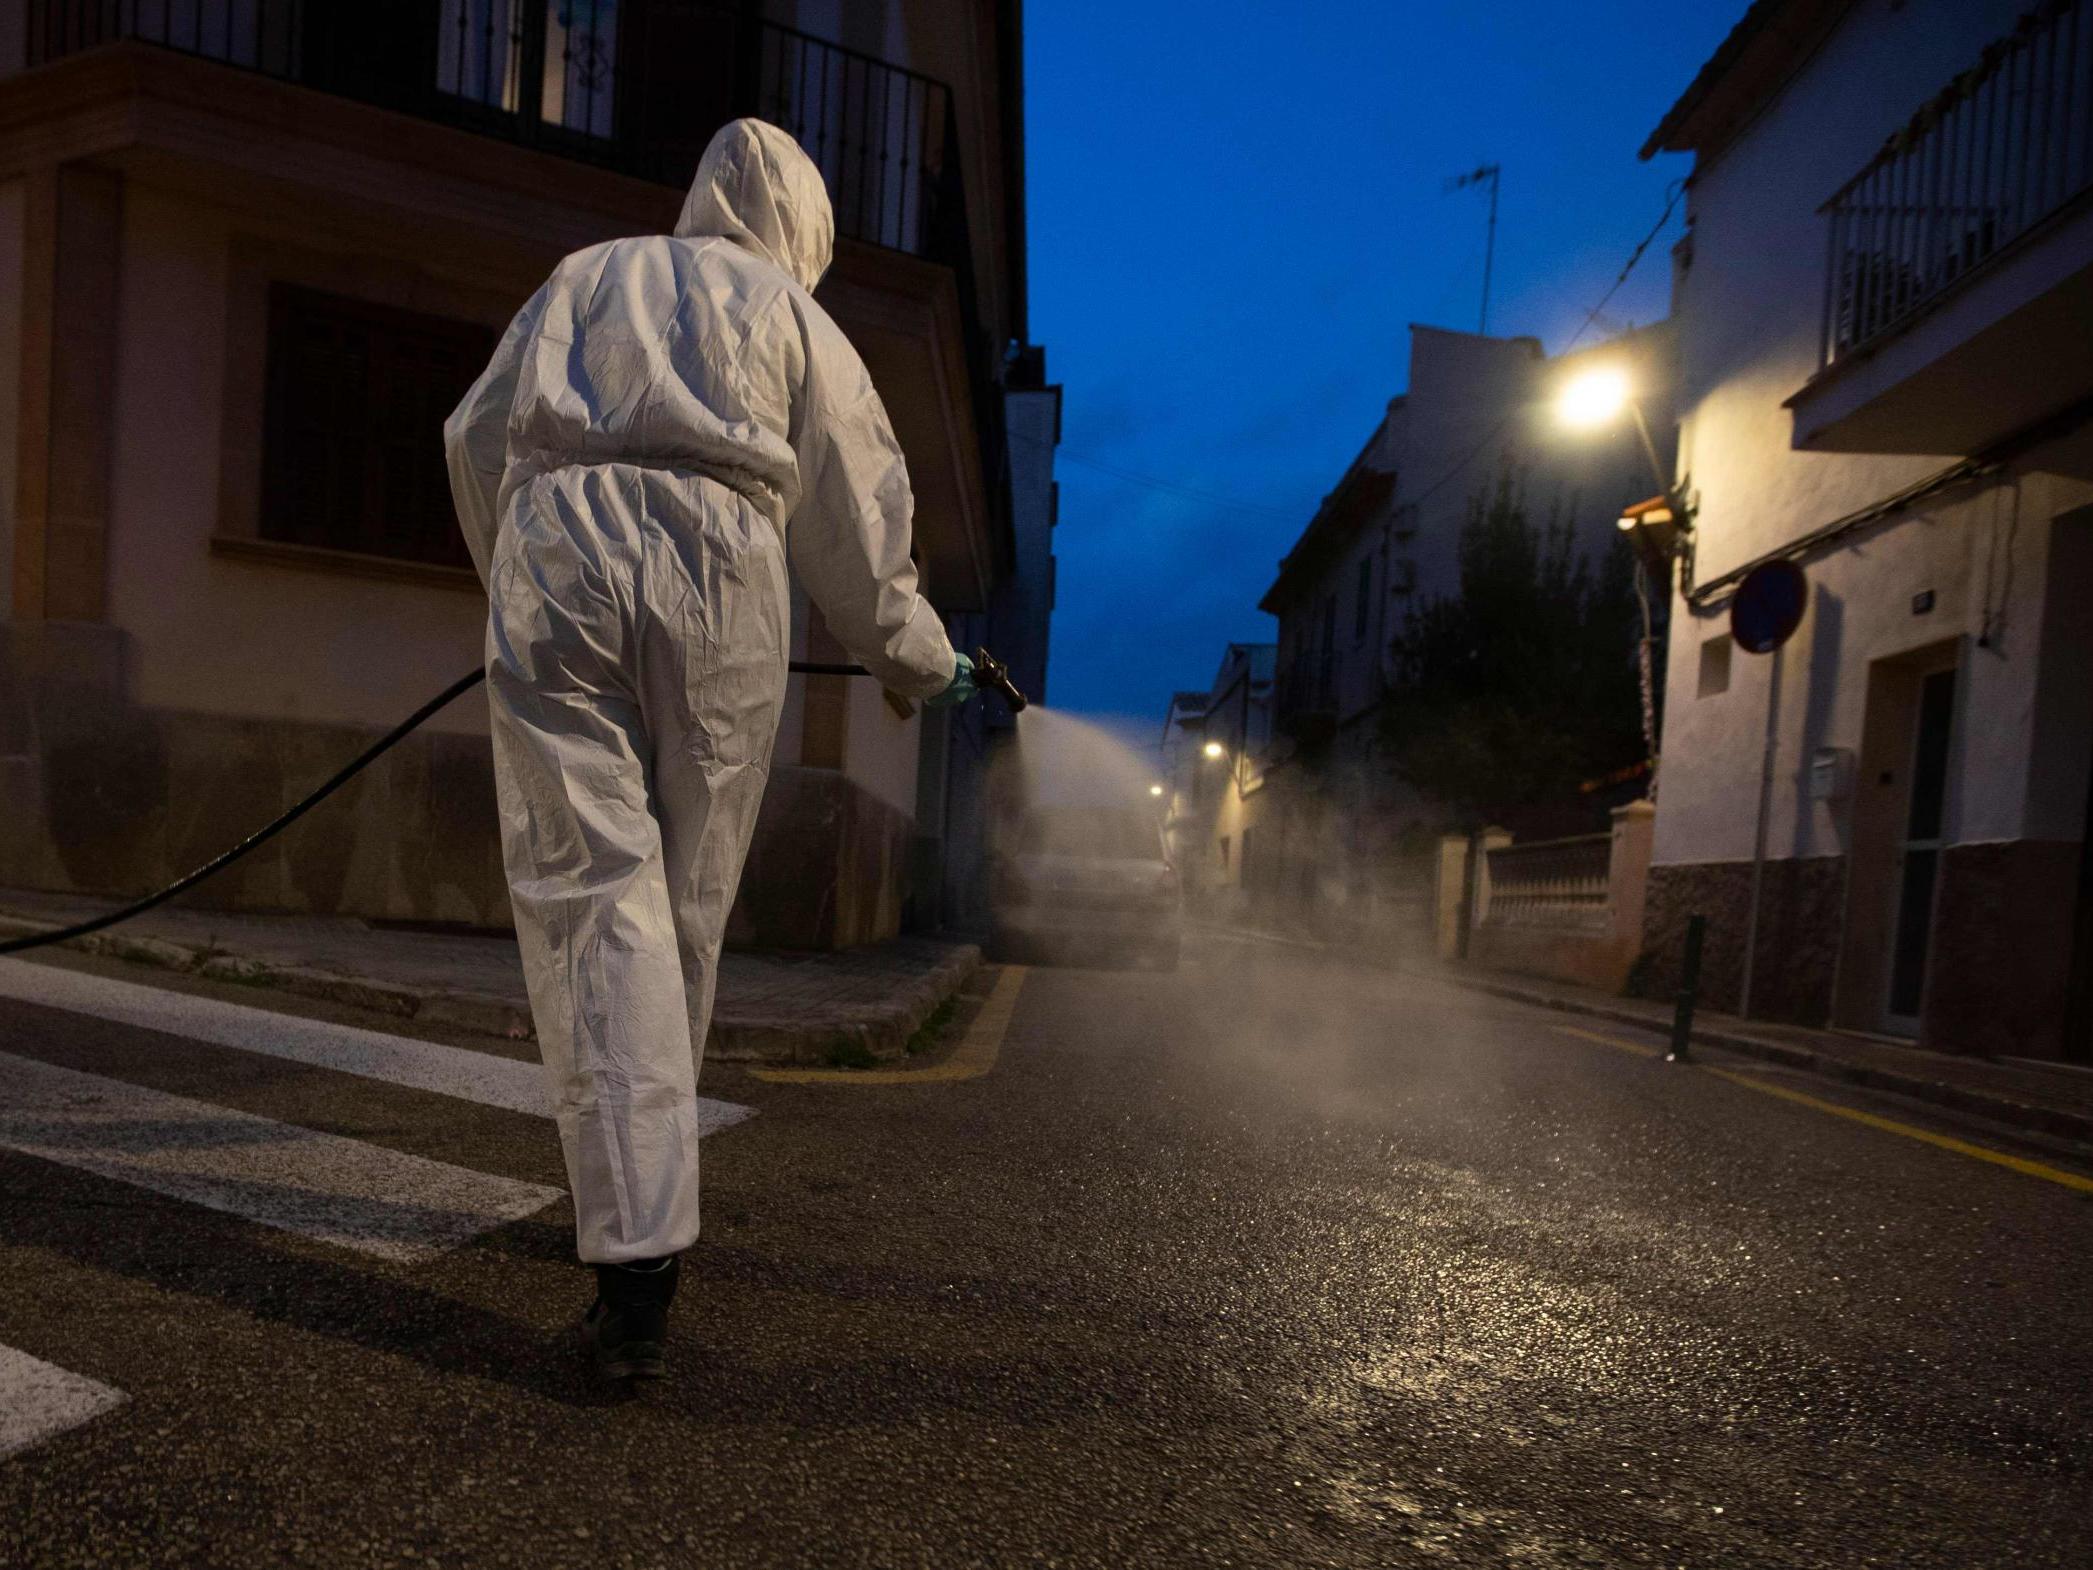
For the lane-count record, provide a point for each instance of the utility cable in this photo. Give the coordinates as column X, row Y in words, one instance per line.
column 1671, row 203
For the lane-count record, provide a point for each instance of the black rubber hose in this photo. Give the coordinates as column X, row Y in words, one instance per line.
column 341, row 777
column 260, row 836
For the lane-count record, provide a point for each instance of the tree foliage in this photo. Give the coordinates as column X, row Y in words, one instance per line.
column 1510, row 693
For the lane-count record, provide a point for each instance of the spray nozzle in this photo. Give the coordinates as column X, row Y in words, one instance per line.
column 992, row 675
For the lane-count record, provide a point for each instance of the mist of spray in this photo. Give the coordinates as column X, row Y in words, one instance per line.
column 1314, row 1023
column 1064, row 761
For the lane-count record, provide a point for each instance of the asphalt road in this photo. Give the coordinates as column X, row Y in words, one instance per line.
column 1263, row 1263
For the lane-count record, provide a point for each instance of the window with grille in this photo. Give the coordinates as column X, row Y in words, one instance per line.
column 352, row 444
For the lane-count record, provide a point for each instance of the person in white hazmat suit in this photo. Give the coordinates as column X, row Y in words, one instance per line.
column 664, row 423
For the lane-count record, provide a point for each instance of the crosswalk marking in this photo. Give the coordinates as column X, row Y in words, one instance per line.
column 480, row 1077
column 361, row 1196
column 39, row 1400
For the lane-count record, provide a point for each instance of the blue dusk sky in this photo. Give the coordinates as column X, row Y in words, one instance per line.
column 1235, row 212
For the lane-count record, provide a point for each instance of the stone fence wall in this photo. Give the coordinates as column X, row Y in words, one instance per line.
column 1569, row 909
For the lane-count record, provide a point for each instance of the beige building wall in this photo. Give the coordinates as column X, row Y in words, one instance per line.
column 181, row 677
column 221, row 634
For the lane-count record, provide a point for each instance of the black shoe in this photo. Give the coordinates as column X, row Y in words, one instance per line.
column 626, row 1328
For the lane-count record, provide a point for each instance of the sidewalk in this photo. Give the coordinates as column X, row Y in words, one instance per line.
column 2051, row 1100
column 771, row 1007
column 2037, row 1098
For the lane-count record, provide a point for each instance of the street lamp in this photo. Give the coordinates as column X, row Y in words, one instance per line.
column 1592, row 398
column 1155, row 790
column 1660, row 529
column 1214, row 749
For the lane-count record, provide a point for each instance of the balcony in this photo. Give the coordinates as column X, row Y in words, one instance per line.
column 1308, row 699
column 555, row 123
column 1959, row 283
column 636, row 88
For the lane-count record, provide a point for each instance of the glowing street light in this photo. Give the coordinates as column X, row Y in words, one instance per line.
column 1595, row 397
column 1155, row 790
column 1214, row 749
column 1659, row 528
column 1592, row 398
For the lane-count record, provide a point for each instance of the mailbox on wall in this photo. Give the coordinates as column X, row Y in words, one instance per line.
column 1831, row 774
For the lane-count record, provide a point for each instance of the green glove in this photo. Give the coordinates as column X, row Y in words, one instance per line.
column 959, row 689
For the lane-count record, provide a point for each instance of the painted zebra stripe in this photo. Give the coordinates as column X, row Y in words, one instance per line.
column 40, row 1400
column 479, row 1077
column 360, row 1196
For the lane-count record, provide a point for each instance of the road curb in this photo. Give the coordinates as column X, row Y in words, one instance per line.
column 2032, row 1117
column 879, row 1030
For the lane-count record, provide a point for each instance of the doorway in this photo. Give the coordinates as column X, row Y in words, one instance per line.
column 1902, row 813
column 1916, row 881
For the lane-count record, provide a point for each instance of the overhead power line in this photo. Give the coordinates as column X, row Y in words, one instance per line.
column 1236, row 504
column 1671, row 201
column 1678, row 189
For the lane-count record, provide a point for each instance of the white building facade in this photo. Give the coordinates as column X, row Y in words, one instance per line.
column 1885, row 320
column 1478, row 412
column 1217, row 818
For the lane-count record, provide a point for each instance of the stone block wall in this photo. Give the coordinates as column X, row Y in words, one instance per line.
column 1801, row 911
column 1998, row 970
column 104, row 797
column 2002, row 936
column 828, row 868
column 1587, row 947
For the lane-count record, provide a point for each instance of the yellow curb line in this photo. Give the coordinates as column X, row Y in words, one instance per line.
column 1635, row 1047
column 1961, row 1147
column 975, row 1056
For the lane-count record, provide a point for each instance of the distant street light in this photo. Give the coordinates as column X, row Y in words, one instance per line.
column 1214, row 749
column 1155, row 790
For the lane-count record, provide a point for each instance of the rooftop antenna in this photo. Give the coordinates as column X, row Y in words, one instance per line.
column 1483, row 174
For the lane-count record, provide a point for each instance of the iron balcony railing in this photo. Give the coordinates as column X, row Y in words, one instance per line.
column 2005, row 146
column 635, row 86
column 1307, row 691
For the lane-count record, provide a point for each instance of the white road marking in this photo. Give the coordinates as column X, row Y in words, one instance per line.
column 480, row 1077
column 342, row 1191
column 39, row 1400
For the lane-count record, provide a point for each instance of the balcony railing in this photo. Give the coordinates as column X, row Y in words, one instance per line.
column 1307, row 694
column 2005, row 146
column 637, row 86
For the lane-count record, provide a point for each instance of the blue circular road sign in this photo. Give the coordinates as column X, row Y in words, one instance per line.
column 1768, row 606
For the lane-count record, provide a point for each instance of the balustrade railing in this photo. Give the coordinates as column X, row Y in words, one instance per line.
column 1550, row 881
column 2006, row 145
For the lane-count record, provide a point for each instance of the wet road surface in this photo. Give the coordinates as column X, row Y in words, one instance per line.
column 1266, row 1262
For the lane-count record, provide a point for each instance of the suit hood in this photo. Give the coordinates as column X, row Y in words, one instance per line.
column 756, row 187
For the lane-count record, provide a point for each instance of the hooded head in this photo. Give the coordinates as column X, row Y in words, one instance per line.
column 756, row 187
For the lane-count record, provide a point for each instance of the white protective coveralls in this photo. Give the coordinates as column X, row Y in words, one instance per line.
column 663, row 421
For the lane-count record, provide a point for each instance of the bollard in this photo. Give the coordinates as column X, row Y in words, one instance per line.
column 1689, row 989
